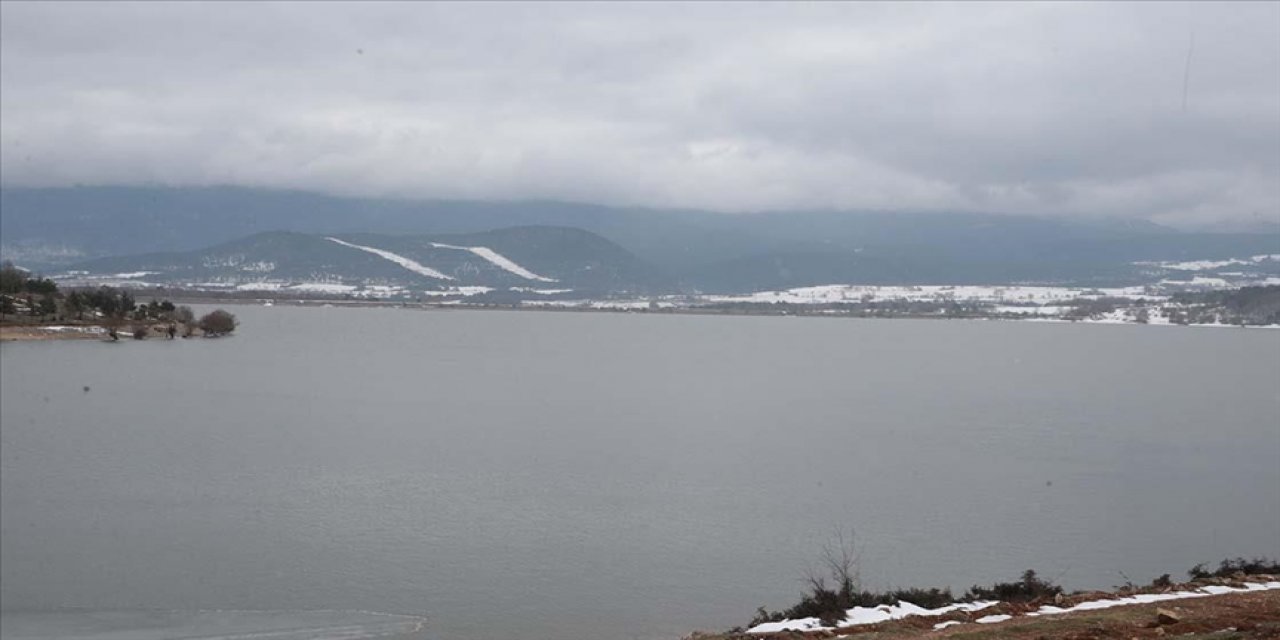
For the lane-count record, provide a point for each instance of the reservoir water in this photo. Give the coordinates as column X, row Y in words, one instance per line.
column 565, row 476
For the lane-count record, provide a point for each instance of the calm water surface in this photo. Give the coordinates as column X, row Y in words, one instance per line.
column 570, row 476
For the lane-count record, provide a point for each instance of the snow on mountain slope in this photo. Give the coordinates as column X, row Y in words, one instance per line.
column 498, row 260
column 411, row 265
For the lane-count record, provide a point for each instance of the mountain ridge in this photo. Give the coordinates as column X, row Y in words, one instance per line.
column 53, row 228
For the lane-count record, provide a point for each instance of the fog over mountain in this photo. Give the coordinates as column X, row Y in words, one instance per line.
column 1162, row 112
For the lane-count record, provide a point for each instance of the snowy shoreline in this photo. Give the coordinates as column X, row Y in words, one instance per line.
column 858, row 616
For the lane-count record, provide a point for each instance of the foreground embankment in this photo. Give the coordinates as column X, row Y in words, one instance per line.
column 1217, row 608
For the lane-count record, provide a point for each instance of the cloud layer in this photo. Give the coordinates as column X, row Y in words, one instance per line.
column 1079, row 109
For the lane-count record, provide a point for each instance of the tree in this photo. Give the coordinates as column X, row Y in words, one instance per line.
column 185, row 317
column 217, row 323
column 40, row 285
column 12, row 279
column 6, row 306
column 47, row 306
column 75, row 304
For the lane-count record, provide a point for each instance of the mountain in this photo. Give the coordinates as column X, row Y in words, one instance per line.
column 49, row 229
column 545, row 258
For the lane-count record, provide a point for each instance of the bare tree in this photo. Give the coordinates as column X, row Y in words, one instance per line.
column 841, row 557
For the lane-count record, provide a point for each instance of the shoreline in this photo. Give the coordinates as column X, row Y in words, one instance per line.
column 32, row 332
column 60, row 331
column 604, row 306
column 1210, row 606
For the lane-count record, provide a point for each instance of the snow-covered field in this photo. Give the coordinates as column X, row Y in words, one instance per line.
column 852, row 293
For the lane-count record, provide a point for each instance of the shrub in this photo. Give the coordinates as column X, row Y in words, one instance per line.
column 184, row 315
column 1030, row 588
column 1230, row 567
column 140, row 331
column 829, row 605
column 218, row 323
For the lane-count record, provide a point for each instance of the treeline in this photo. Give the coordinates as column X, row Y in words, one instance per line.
column 1247, row 305
column 21, row 292
column 33, row 298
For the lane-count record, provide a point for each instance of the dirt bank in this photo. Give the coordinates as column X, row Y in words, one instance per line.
column 1232, row 616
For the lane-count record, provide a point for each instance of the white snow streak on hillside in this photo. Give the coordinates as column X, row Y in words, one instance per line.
column 498, row 260
column 411, row 265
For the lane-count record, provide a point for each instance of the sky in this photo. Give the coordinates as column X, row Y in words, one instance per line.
column 1166, row 112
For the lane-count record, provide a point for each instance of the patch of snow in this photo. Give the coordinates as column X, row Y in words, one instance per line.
column 71, row 329
column 259, row 267
column 459, row 291
column 498, row 260
column 1205, row 265
column 1148, row 598
column 260, row 286
column 993, row 619
column 868, row 615
column 323, row 287
column 544, row 292
column 407, row 263
column 1202, row 281
column 133, row 274
column 1011, row 294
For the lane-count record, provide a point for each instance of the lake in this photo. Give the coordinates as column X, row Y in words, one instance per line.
column 569, row 476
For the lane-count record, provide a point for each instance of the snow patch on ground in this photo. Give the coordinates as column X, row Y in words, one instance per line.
column 1148, row 598
column 323, row 287
column 1205, row 265
column 869, row 615
column 459, row 291
column 837, row 293
column 993, row 619
column 70, row 329
column 411, row 265
column 543, row 292
column 498, row 260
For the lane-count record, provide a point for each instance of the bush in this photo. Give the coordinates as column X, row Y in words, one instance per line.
column 841, row 558
column 218, row 323
column 140, row 331
column 1030, row 588
column 1230, row 567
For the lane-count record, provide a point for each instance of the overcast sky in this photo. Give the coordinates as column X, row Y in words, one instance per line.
column 1080, row 109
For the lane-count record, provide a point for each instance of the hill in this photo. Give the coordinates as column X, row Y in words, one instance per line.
column 51, row 228
column 546, row 258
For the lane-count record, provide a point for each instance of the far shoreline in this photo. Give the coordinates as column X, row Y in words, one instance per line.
column 310, row 302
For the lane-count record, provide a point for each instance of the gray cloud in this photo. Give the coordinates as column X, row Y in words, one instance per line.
column 1020, row 108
